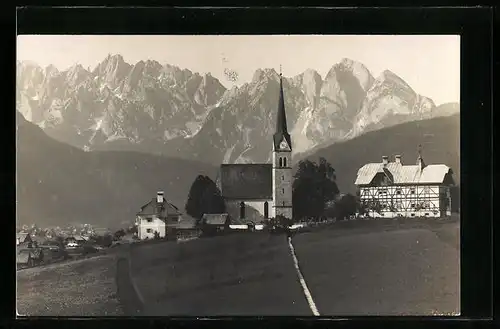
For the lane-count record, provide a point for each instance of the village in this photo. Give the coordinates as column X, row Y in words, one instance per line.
column 258, row 198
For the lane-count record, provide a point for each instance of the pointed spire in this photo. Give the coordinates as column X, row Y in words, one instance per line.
column 281, row 127
column 281, row 118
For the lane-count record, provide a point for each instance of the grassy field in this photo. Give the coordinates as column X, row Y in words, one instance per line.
column 383, row 268
column 78, row 288
column 242, row 274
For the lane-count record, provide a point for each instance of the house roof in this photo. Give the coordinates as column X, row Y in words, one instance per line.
column 215, row 219
column 186, row 222
column 39, row 239
column 161, row 209
column 77, row 238
column 246, row 181
column 22, row 236
column 403, row 174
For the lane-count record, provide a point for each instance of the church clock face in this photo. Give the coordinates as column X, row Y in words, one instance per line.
column 283, row 145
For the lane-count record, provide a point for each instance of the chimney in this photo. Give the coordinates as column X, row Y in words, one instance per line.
column 159, row 197
column 420, row 159
column 397, row 159
column 385, row 160
column 420, row 163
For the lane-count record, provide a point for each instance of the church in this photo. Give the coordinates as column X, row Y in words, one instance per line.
column 264, row 187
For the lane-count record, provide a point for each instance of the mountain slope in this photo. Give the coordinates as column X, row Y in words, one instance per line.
column 58, row 184
column 163, row 109
column 439, row 137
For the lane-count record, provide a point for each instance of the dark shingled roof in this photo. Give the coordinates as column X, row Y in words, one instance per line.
column 162, row 210
column 246, row 181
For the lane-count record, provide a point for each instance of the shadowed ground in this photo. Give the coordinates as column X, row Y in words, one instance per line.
column 244, row 274
column 383, row 272
column 364, row 268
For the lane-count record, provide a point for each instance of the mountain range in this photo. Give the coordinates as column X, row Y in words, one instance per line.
column 59, row 184
column 165, row 110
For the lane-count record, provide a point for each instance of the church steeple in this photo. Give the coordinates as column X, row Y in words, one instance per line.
column 281, row 127
column 282, row 162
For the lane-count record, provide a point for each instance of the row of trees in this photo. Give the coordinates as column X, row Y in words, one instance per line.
column 316, row 194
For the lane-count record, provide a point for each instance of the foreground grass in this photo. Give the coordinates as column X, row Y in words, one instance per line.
column 242, row 274
column 78, row 288
column 383, row 268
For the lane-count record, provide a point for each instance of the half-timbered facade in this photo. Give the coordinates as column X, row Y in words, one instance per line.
column 391, row 189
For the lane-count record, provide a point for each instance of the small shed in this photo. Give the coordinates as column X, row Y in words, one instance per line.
column 186, row 228
column 215, row 222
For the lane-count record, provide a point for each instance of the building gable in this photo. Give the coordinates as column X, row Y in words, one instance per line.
column 403, row 174
column 162, row 210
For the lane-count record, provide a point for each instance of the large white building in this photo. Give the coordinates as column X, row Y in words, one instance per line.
column 264, row 187
column 391, row 189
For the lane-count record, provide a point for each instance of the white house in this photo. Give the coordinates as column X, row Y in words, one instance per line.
column 155, row 216
column 391, row 189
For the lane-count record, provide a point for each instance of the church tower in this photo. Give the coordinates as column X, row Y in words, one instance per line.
column 282, row 162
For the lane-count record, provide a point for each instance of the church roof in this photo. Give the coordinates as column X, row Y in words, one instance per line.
column 281, row 127
column 246, row 181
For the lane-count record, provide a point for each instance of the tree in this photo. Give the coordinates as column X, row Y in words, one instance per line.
column 212, row 201
column 204, row 197
column 119, row 234
column 132, row 229
column 346, row 207
column 314, row 185
column 104, row 240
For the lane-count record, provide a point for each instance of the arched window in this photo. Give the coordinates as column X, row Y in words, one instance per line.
column 281, row 162
column 284, row 162
column 266, row 210
column 283, row 190
column 242, row 210
column 283, row 203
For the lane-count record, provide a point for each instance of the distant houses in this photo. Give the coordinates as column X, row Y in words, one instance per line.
column 392, row 189
column 23, row 238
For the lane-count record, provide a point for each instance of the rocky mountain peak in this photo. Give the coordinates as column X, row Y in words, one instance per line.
column 177, row 112
column 389, row 77
column 265, row 75
column 51, row 70
column 76, row 74
column 112, row 70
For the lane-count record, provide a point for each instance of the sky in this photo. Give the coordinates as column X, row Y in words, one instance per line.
column 430, row 64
